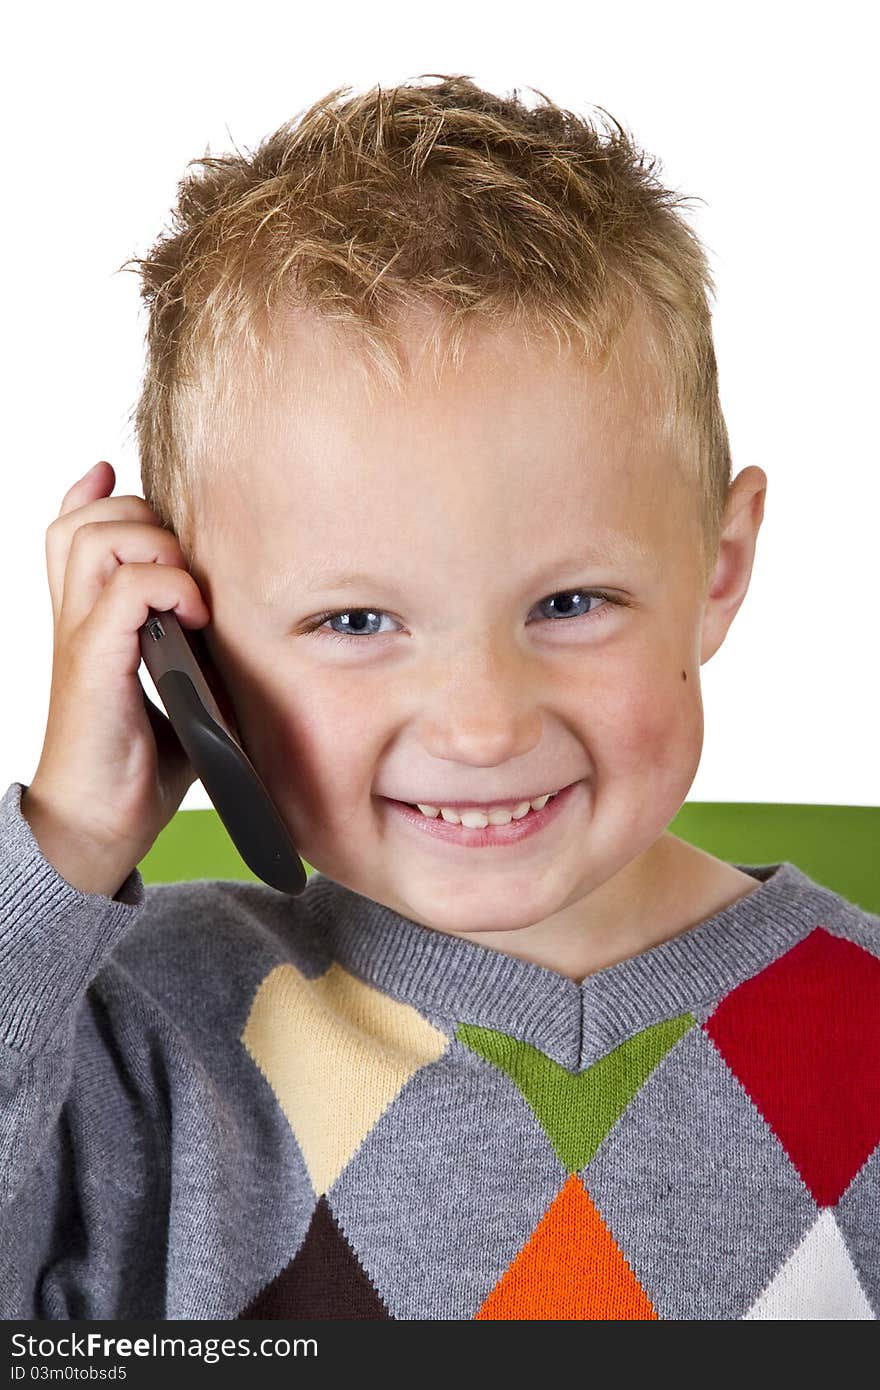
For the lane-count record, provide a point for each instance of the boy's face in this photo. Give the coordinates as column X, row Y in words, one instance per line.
column 467, row 508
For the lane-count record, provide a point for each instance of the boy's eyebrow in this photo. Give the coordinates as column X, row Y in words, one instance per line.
column 611, row 549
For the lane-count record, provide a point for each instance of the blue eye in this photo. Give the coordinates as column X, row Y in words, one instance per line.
column 565, row 609
column 363, row 620
column 367, row 621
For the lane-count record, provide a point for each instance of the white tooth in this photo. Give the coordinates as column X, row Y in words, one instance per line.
column 476, row 820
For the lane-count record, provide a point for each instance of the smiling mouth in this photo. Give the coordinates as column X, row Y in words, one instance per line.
column 494, row 813
column 501, row 803
column 440, row 829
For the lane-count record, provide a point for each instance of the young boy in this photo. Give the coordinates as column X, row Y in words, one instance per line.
column 430, row 435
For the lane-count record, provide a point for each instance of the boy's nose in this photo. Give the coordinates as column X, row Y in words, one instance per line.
column 480, row 707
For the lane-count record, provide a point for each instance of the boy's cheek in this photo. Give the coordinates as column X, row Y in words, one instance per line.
column 636, row 703
column 652, row 733
column 319, row 766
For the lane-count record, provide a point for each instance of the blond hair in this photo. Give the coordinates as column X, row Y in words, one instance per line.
column 440, row 195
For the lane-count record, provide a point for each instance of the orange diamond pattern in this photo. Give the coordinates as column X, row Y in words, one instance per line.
column 571, row 1267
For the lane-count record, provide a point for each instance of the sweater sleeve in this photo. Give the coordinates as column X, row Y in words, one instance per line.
column 54, row 939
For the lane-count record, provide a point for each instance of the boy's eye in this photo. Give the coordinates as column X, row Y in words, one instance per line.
column 367, row 622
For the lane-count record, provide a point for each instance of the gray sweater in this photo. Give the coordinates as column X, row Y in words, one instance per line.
column 217, row 1101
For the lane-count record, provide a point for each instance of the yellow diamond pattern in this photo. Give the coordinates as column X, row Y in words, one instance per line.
column 336, row 1053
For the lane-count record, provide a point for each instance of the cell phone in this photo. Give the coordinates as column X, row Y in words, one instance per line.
column 181, row 669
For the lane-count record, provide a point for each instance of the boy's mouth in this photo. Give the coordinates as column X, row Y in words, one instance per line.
column 483, row 834
column 476, row 816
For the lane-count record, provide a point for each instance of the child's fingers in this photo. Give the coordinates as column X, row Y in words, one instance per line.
column 85, row 502
column 99, row 550
column 97, row 482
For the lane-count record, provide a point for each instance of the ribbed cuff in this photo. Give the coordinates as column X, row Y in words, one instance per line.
column 54, row 938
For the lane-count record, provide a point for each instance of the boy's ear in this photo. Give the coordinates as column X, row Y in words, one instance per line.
column 736, row 555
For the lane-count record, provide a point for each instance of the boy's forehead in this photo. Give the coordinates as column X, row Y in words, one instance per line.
column 511, row 403
column 321, row 364
column 515, row 418
column 494, row 422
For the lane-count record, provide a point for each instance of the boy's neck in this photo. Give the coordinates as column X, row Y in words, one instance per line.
column 672, row 887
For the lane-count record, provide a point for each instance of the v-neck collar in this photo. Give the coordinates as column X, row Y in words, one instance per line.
column 573, row 1023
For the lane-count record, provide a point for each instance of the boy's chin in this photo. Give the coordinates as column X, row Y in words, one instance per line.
column 480, row 908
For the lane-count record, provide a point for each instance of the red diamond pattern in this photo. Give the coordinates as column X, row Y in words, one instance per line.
column 803, row 1038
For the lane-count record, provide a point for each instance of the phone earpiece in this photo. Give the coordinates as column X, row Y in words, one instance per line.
column 215, row 683
column 197, row 704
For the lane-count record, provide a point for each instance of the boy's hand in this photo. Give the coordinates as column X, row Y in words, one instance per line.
column 112, row 772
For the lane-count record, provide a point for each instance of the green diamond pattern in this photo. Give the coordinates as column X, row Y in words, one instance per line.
column 576, row 1110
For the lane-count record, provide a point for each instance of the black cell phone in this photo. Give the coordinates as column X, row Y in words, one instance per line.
column 182, row 671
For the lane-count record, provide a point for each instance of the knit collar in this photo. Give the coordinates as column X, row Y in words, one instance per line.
column 448, row 976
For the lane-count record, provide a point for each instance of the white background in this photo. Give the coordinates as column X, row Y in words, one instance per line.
column 762, row 110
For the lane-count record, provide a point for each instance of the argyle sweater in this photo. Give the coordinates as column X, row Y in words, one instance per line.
column 218, row 1101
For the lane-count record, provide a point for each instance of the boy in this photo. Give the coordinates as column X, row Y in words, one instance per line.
column 430, row 434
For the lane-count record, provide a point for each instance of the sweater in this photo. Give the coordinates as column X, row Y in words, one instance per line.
column 221, row 1102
